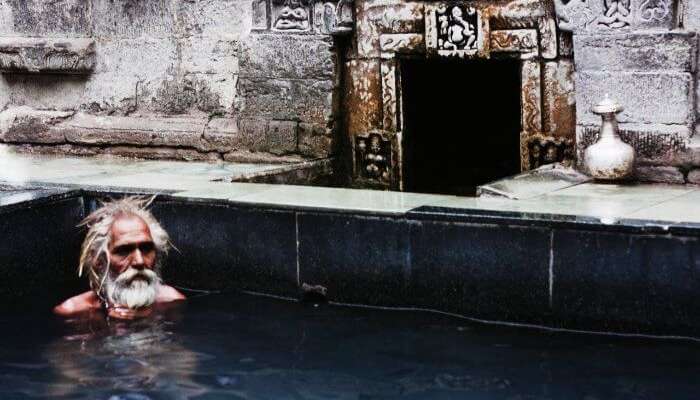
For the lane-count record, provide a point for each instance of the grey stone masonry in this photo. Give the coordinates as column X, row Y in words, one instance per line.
column 645, row 55
column 185, row 79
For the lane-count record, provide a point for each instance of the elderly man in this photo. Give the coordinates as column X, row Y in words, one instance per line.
column 122, row 255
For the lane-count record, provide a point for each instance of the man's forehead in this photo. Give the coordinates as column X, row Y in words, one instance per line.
column 129, row 225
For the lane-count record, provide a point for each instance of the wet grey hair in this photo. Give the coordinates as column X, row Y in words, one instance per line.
column 94, row 255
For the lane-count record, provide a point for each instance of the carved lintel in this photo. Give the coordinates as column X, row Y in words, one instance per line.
column 456, row 30
column 47, row 55
column 523, row 41
column 389, row 95
column 373, row 158
column 391, row 44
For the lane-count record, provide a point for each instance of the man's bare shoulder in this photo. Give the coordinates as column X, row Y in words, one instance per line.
column 87, row 301
column 168, row 293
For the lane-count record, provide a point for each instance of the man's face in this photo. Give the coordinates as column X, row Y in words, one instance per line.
column 131, row 281
column 131, row 245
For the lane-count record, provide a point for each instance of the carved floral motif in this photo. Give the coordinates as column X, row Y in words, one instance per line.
column 655, row 10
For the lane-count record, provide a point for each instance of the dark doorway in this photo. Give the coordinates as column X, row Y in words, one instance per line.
column 461, row 124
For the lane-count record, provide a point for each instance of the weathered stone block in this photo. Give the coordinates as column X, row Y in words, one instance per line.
column 637, row 51
column 221, row 142
column 559, row 99
column 694, row 177
column 246, row 156
column 47, row 55
column 306, row 100
column 659, row 174
column 363, row 96
column 26, row 125
column 314, row 140
column 288, row 56
column 41, row 17
column 253, row 127
column 212, row 18
column 281, row 137
column 275, row 137
column 128, row 73
column 226, row 125
column 691, row 18
column 161, row 153
column 128, row 18
column 648, row 98
column 143, row 131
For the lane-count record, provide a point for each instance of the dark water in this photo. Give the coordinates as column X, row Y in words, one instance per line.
column 246, row 347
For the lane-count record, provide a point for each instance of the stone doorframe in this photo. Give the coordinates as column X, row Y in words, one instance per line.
column 508, row 31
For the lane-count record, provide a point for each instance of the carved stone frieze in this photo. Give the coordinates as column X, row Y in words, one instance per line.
column 373, row 158
column 456, row 30
column 546, row 150
column 291, row 15
column 522, row 41
column 531, row 97
column 586, row 15
column 47, row 55
column 389, row 96
column 391, row 44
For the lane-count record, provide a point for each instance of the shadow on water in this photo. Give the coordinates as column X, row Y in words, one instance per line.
column 240, row 346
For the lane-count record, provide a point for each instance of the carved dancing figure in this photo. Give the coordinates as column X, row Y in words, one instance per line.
column 617, row 14
column 460, row 32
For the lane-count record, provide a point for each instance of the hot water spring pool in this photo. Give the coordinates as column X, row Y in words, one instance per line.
column 239, row 346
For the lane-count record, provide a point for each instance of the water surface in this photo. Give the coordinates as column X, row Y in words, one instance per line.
column 238, row 346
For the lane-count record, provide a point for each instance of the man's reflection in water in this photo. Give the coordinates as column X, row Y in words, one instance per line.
column 116, row 359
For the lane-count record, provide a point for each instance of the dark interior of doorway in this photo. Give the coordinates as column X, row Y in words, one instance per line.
column 461, row 123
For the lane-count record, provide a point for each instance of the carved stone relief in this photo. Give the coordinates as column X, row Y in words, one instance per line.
column 373, row 158
column 290, row 15
column 389, row 97
column 655, row 10
column 391, row 44
column 531, row 97
column 547, row 150
column 617, row 14
column 576, row 15
column 455, row 30
column 522, row 41
column 334, row 18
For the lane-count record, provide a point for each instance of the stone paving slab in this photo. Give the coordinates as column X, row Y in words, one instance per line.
column 553, row 192
column 534, row 183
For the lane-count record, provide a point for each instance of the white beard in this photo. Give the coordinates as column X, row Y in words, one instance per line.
column 133, row 293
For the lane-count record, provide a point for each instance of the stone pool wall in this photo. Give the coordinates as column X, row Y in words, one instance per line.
column 570, row 272
column 194, row 80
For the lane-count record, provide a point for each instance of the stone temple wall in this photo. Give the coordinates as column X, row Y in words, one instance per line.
column 185, row 79
column 643, row 53
column 285, row 80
